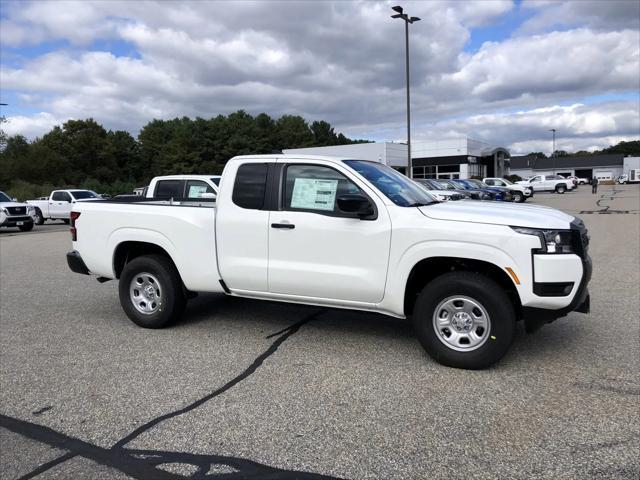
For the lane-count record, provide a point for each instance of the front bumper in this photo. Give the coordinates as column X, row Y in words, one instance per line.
column 535, row 317
column 76, row 264
column 14, row 220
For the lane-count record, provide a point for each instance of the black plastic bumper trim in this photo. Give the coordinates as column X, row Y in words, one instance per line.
column 76, row 264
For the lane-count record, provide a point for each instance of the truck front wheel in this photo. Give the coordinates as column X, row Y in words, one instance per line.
column 464, row 320
column 39, row 219
column 518, row 197
column 151, row 292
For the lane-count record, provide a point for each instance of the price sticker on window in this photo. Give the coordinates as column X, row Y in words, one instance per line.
column 314, row 194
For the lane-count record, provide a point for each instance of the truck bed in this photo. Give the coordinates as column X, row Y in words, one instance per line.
column 179, row 227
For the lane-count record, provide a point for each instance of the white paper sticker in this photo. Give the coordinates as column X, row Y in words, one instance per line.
column 314, row 194
column 196, row 191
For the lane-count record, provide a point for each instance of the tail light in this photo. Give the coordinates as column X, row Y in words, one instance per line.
column 74, row 231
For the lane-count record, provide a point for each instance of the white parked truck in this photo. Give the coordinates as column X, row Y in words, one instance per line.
column 183, row 186
column 348, row 234
column 550, row 183
column 519, row 193
column 57, row 206
column 15, row 214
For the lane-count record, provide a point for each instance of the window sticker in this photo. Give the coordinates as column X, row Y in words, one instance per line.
column 314, row 194
column 196, row 191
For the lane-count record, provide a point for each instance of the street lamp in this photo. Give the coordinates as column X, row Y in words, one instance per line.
column 553, row 149
column 407, row 20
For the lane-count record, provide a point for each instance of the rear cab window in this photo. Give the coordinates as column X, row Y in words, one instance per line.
column 250, row 186
column 169, row 189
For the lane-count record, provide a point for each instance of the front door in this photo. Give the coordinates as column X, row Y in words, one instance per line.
column 315, row 249
column 59, row 205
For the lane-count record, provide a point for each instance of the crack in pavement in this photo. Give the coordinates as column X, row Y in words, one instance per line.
column 605, row 209
column 142, row 464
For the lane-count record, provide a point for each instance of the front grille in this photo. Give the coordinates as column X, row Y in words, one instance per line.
column 17, row 210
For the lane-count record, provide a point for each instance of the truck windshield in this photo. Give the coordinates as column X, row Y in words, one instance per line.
column 395, row 186
column 4, row 198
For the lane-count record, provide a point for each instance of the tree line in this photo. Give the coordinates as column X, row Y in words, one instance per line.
column 626, row 148
column 83, row 154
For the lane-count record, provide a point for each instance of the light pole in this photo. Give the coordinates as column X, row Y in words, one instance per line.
column 553, row 150
column 407, row 20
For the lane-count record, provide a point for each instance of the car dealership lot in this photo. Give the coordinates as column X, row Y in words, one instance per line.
column 270, row 389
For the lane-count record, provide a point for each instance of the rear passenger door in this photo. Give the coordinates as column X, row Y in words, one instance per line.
column 242, row 230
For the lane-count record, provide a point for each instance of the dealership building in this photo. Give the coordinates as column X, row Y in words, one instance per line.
column 465, row 158
column 603, row 167
column 456, row 158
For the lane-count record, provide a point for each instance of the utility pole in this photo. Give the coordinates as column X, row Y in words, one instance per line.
column 407, row 20
column 553, row 149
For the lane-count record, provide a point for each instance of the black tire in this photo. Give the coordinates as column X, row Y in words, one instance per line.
column 39, row 220
column 27, row 227
column 172, row 298
column 485, row 292
column 66, row 221
column 561, row 189
column 518, row 197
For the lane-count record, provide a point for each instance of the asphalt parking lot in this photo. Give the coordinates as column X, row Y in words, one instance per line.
column 249, row 389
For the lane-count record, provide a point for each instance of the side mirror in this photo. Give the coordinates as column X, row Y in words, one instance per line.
column 355, row 203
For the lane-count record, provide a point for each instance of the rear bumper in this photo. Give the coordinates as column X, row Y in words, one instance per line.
column 76, row 264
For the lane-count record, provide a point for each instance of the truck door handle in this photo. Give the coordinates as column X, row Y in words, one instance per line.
column 283, row 225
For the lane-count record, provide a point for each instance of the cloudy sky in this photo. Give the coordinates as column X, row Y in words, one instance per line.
column 500, row 71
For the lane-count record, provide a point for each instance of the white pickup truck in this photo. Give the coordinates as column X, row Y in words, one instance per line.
column 57, row 206
column 348, row 234
column 549, row 183
column 519, row 192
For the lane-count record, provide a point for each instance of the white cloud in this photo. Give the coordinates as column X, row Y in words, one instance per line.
column 31, row 126
column 338, row 61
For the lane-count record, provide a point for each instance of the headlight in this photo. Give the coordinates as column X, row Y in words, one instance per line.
column 30, row 209
column 552, row 241
column 4, row 210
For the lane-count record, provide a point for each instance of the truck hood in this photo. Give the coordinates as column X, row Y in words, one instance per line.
column 13, row 204
column 497, row 213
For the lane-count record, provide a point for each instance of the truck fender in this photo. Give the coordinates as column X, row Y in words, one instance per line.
column 122, row 235
column 460, row 250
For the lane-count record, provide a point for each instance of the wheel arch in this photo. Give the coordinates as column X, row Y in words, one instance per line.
column 128, row 250
column 430, row 268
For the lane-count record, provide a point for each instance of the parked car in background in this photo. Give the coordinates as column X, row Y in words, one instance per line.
column 578, row 180
column 469, row 192
column 343, row 233
column 15, row 214
column 632, row 176
column 502, row 194
column 183, row 186
column 58, row 205
column 549, row 183
column 485, row 194
column 435, row 189
column 519, row 192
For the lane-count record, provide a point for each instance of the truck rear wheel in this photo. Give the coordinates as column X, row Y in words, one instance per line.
column 464, row 320
column 561, row 189
column 151, row 292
